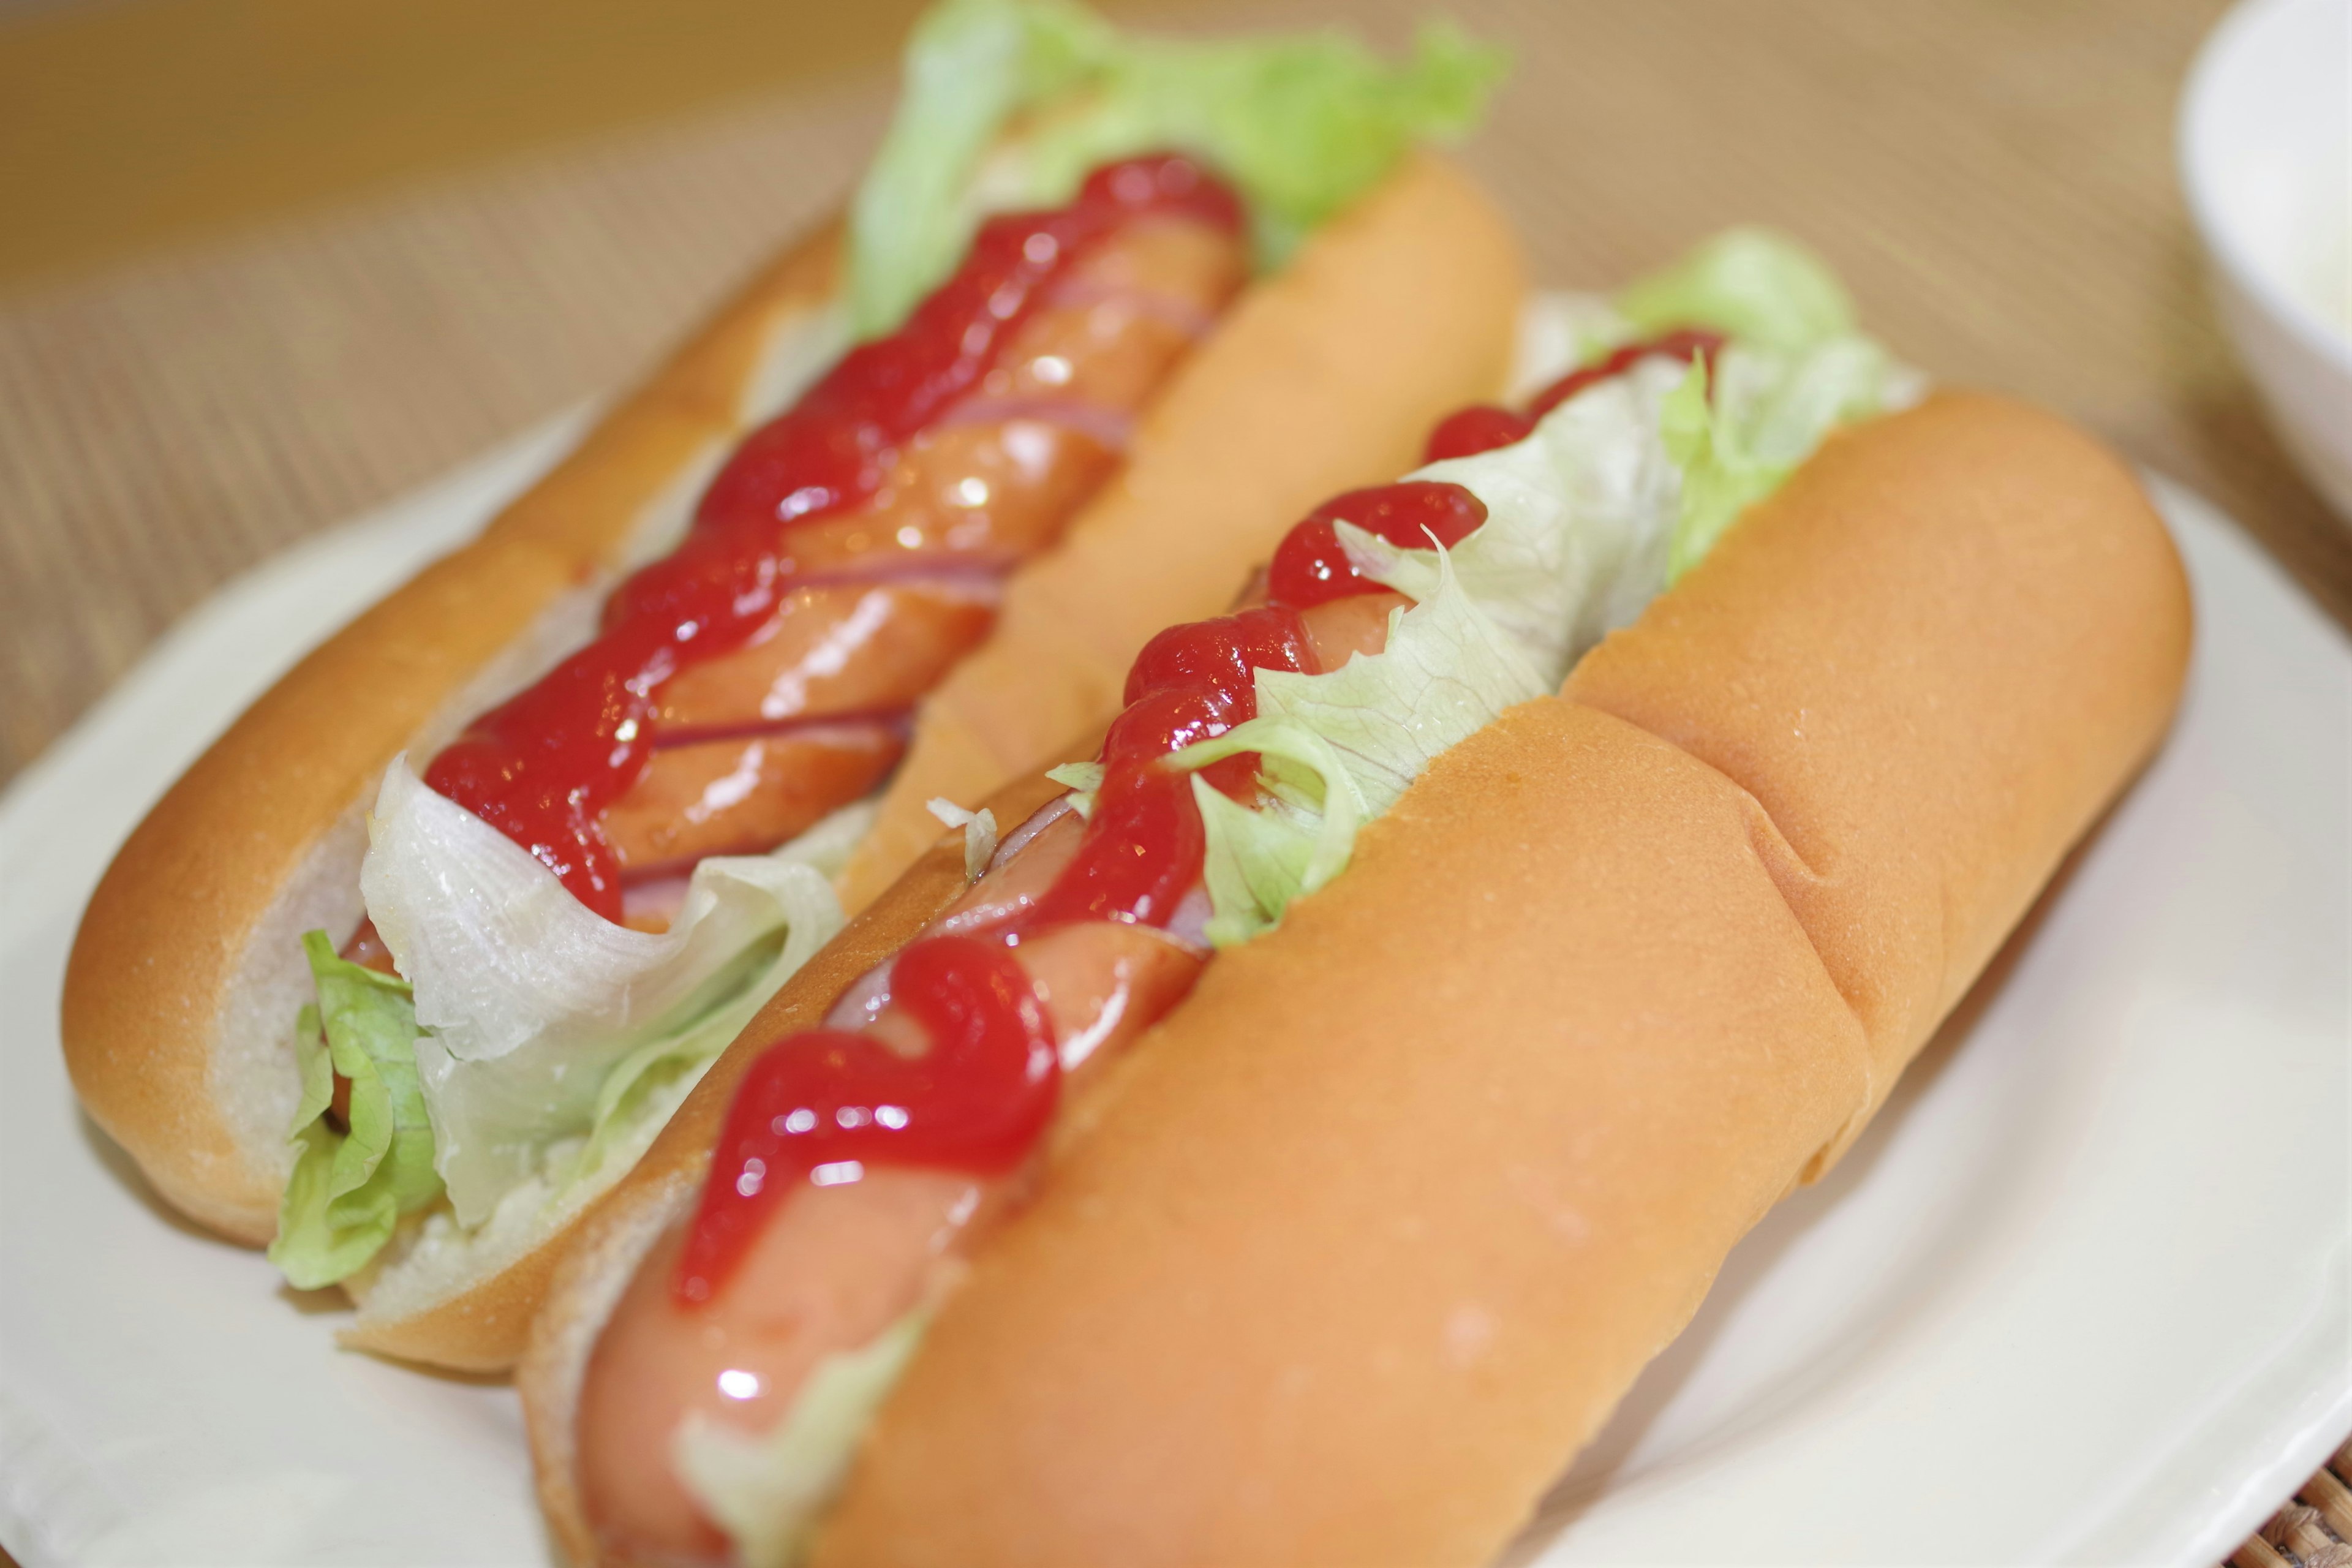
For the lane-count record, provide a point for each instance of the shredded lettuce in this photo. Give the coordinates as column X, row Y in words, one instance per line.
column 674, row 1055
column 1447, row 672
column 1008, row 103
column 767, row 1490
column 1085, row 780
column 1258, row 861
column 539, row 1022
column 979, row 832
column 1750, row 284
column 1577, row 521
column 970, row 66
column 1617, row 491
column 352, row 1184
column 1768, row 413
column 1337, row 748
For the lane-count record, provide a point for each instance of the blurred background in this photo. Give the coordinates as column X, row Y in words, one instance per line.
column 266, row 263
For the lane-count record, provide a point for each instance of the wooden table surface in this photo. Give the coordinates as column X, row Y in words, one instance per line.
column 187, row 386
column 270, row 263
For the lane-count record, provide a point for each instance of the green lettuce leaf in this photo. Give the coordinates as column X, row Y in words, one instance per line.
column 1301, row 124
column 1338, row 748
column 670, row 1060
column 1085, row 780
column 529, row 1002
column 1769, row 410
column 1258, row 861
column 1751, row 284
column 970, row 66
column 1628, row 483
column 556, row 1043
column 979, row 832
column 767, row 1490
column 1577, row 522
column 350, row 1185
column 1447, row 672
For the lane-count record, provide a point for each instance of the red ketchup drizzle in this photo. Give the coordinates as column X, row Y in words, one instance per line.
column 975, row 1101
column 1482, row 426
column 541, row 766
column 1140, row 856
column 1141, row 852
column 1310, row 568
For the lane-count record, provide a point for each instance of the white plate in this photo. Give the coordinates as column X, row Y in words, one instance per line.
column 2081, row 1295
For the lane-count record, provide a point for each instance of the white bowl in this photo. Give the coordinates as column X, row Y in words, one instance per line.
column 2266, row 159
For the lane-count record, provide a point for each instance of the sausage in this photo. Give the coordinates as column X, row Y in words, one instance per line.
column 836, row 1266
column 746, row 795
column 891, row 597
column 839, row 647
column 828, row 1274
column 833, row 1269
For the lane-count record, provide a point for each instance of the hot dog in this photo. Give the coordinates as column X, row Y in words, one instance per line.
column 474, row 893
column 1296, row 1161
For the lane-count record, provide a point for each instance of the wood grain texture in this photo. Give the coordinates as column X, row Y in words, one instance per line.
column 1994, row 179
column 138, row 122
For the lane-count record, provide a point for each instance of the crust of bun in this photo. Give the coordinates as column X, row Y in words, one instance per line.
column 1977, row 560
column 154, row 1018
column 1326, row 376
column 1348, row 1257
column 480, row 1330
column 605, row 1247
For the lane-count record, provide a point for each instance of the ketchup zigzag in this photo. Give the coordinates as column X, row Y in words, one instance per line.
column 785, row 515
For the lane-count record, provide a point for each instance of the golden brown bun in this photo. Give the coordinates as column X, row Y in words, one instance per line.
column 605, row 1247
column 1326, row 376
column 481, row 1328
column 191, row 936
column 1978, row 570
column 174, row 1026
column 1348, row 1257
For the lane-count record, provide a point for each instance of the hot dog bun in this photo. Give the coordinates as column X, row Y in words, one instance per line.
column 187, row 968
column 187, row 965
column 1348, row 1257
column 1441, row 1163
column 612, row 1237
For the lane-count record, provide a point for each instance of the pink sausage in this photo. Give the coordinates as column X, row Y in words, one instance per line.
column 837, row 1266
